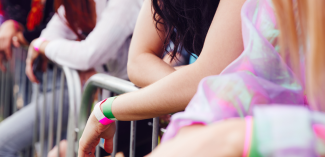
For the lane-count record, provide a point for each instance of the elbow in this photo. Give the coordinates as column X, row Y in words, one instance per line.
column 86, row 63
column 133, row 73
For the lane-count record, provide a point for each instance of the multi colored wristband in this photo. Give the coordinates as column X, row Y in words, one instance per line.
column 106, row 117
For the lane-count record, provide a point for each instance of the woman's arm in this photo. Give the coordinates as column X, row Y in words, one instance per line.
column 103, row 43
column 172, row 93
column 223, row 138
column 57, row 27
column 145, row 65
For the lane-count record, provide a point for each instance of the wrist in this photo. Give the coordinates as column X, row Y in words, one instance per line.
column 106, row 108
column 103, row 112
column 38, row 45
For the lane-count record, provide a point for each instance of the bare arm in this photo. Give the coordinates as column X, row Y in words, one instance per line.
column 224, row 138
column 172, row 93
column 145, row 65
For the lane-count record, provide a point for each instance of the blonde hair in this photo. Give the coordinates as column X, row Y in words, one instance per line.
column 302, row 27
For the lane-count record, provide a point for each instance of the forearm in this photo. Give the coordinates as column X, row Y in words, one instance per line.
column 143, row 71
column 168, row 95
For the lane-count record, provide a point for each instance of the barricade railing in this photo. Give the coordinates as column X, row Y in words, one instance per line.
column 117, row 86
column 69, row 77
column 16, row 92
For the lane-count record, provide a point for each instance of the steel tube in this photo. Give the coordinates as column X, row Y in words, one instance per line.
column 133, row 138
column 5, row 94
column 104, row 81
column 72, row 122
column 60, row 110
column 2, row 94
column 99, row 98
column 43, row 115
column 36, row 121
column 115, row 140
column 51, row 120
column 155, row 132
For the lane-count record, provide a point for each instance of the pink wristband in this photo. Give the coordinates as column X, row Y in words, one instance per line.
column 100, row 116
column 248, row 136
column 37, row 43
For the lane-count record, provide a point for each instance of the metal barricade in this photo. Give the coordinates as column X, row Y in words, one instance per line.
column 15, row 92
column 117, row 86
column 71, row 78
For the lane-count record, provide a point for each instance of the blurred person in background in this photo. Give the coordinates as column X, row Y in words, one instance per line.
column 24, row 21
column 279, row 97
column 90, row 36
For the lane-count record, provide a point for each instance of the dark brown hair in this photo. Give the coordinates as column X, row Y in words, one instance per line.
column 186, row 22
column 80, row 15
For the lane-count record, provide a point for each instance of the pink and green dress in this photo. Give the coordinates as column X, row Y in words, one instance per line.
column 259, row 84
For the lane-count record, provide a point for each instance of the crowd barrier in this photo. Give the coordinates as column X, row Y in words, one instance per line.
column 117, row 86
column 16, row 92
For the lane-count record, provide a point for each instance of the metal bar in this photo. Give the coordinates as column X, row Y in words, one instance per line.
column 72, row 122
column 43, row 115
column 155, row 132
column 60, row 112
column 36, row 121
column 99, row 98
column 24, row 81
column 133, row 138
column 115, row 140
column 77, row 92
column 59, row 126
column 6, row 94
column 103, row 81
column 1, row 105
column 13, row 63
column 51, row 122
column 2, row 94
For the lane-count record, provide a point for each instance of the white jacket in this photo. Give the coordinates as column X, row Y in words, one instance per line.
column 108, row 43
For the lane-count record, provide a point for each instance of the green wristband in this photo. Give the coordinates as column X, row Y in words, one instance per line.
column 107, row 108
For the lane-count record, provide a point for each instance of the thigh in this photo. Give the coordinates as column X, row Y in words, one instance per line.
column 16, row 132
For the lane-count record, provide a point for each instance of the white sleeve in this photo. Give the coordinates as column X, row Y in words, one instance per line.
column 57, row 28
column 103, row 43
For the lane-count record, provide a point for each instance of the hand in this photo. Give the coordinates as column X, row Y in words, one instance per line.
column 224, row 138
column 91, row 136
column 31, row 57
column 19, row 40
column 7, row 31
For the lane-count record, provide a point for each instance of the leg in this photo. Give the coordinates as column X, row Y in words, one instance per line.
column 16, row 132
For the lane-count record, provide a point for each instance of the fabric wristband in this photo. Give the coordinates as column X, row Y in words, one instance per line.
column 107, row 108
column 100, row 116
column 37, row 43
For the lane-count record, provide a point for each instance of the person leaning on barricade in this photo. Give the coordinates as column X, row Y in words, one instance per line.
column 197, row 26
column 85, row 35
column 281, row 97
column 260, row 83
column 25, row 19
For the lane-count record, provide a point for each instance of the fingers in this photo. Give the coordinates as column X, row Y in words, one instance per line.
column 15, row 41
column 108, row 145
column 7, row 50
column 29, row 72
column 86, row 151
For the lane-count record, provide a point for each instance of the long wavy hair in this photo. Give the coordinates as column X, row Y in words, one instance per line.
column 186, row 23
column 79, row 14
column 302, row 24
